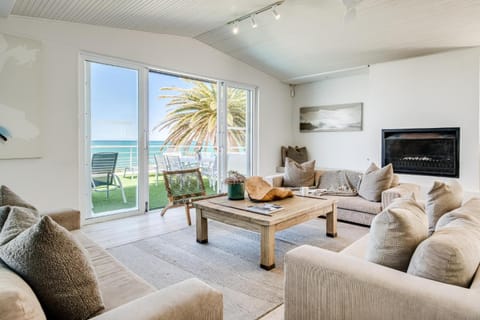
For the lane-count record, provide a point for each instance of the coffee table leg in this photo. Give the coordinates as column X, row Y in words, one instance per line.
column 332, row 222
column 267, row 248
column 202, row 227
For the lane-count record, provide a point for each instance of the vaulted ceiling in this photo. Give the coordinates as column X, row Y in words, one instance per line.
column 311, row 38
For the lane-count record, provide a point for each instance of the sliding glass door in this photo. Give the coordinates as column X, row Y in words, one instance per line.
column 113, row 108
column 140, row 122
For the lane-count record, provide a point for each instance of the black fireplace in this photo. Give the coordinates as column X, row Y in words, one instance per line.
column 432, row 152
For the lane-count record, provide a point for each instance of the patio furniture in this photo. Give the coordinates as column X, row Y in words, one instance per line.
column 173, row 161
column 103, row 173
column 183, row 187
column 208, row 165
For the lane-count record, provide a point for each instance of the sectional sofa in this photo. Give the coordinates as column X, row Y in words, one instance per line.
column 125, row 295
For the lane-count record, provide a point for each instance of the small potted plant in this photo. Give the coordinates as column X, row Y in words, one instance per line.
column 236, row 185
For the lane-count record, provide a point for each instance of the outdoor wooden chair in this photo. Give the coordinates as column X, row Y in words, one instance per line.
column 183, row 188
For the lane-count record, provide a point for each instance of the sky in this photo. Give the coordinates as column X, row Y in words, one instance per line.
column 114, row 101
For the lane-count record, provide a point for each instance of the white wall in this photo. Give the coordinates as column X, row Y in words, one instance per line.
column 53, row 180
column 439, row 90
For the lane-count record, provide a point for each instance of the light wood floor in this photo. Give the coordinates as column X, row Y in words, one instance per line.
column 114, row 233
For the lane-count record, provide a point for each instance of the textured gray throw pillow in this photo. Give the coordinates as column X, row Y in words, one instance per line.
column 442, row 198
column 57, row 269
column 17, row 220
column 396, row 232
column 299, row 175
column 375, row 181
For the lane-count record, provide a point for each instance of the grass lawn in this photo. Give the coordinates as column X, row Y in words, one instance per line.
column 158, row 195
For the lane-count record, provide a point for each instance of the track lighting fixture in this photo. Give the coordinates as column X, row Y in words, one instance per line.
column 253, row 21
column 252, row 16
column 235, row 28
column 275, row 13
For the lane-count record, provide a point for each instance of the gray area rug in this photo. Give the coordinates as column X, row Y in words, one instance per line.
column 229, row 262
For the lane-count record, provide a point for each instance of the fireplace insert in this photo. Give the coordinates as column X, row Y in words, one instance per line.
column 432, row 151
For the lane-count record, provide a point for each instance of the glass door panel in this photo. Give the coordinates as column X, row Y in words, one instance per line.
column 238, row 101
column 182, row 115
column 113, row 101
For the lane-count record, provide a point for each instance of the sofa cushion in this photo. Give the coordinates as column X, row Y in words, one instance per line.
column 298, row 154
column 442, row 198
column 10, row 198
column 18, row 219
column 396, row 232
column 17, row 300
column 117, row 284
column 356, row 204
column 451, row 255
column 56, row 268
column 468, row 213
column 375, row 181
column 299, row 175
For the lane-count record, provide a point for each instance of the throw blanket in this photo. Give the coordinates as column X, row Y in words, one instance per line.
column 340, row 182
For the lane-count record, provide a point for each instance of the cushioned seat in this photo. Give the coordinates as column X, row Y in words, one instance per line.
column 118, row 285
column 357, row 204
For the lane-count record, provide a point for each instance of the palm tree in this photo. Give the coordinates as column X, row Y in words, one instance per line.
column 193, row 115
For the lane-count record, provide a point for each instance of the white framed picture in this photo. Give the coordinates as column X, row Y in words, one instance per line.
column 340, row 117
column 20, row 98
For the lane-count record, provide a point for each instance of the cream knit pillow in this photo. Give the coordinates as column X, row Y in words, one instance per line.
column 396, row 232
column 442, row 198
column 375, row 181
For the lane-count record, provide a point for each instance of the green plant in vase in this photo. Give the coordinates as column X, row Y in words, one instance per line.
column 236, row 185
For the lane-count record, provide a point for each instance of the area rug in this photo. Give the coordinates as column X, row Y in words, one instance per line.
column 229, row 262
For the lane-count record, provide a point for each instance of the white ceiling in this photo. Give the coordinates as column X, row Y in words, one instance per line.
column 311, row 38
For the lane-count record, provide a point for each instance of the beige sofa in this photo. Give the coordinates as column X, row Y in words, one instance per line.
column 354, row 208
column 126, row 295
column 321, row 284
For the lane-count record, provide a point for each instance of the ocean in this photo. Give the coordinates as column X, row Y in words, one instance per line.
column 127, row 150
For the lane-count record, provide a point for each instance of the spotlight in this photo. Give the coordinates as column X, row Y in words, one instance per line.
column 252, row 20
column 275, row 13
column 235, row 28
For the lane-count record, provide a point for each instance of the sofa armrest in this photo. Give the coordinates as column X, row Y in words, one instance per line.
column 399, row 191
column 276, row 180
column 67, row 218
column 189, row 299
column 321, row 284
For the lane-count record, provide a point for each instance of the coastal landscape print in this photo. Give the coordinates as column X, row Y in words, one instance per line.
column 19, row 98
column 342, row 117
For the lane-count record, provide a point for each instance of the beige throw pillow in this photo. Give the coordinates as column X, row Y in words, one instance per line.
column 451, row 255
column 442, row 198
column 396, row 232
column 299, row 175
column 375, row 181
column 56, row 267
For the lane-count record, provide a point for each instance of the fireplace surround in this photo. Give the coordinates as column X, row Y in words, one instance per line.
column 422, row 151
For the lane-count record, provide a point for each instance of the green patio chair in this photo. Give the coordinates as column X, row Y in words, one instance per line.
column 103, row 173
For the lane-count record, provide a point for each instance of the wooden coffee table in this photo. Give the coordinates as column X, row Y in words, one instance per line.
column 295, row 211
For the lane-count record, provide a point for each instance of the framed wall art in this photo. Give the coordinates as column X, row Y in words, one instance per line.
column 341, row 117
column 20, row 134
